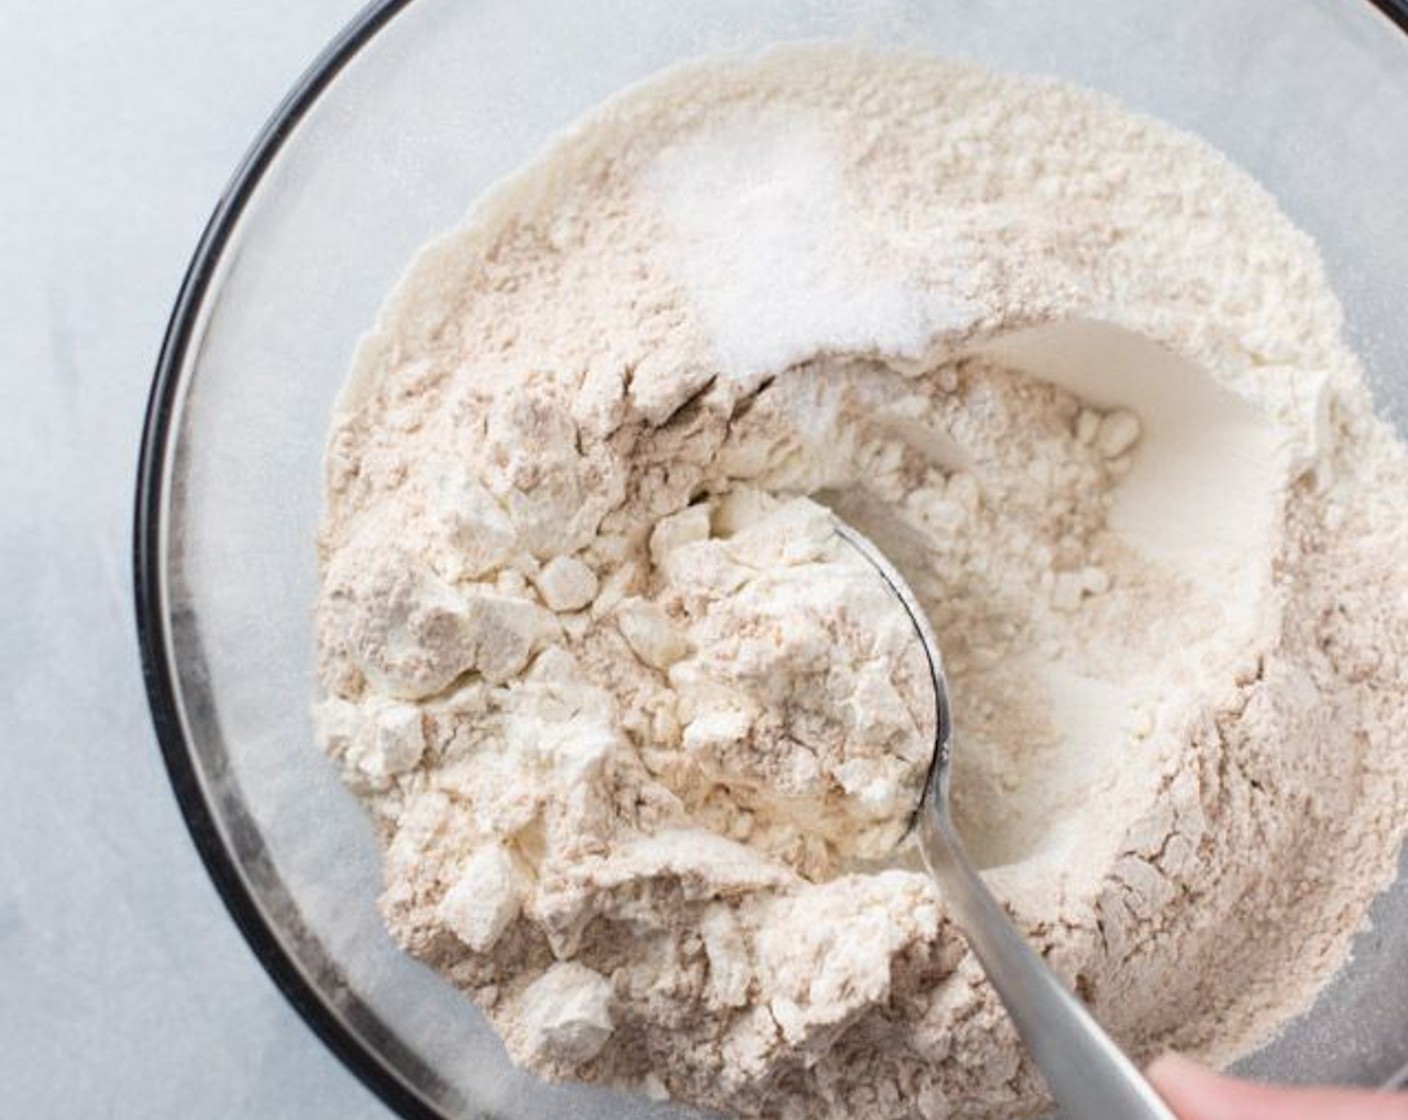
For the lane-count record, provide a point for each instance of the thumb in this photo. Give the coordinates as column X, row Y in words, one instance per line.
column 1195, row 1093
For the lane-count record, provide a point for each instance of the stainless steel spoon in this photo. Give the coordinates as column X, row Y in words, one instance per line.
column 1090, row 1077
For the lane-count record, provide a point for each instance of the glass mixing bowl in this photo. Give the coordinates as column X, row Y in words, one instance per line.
column 404, row 120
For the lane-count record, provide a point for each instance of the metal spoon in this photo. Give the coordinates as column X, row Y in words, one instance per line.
column 1090, row 1077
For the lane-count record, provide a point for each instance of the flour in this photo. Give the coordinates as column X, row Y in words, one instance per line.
column 642, row 735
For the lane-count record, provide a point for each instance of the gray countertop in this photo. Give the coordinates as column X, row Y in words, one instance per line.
column 125, row 991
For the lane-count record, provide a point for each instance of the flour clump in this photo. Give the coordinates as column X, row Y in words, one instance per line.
column 642, row 735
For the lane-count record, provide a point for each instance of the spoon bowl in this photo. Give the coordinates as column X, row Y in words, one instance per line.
column 1087, row 1073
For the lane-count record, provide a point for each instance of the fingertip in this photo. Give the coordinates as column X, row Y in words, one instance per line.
column 1191, row 1089
column 1172, row 1067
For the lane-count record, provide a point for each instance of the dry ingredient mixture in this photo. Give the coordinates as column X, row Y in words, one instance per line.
column 642, row 736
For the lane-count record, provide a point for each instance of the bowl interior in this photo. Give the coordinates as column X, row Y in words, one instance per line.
column 438, row 104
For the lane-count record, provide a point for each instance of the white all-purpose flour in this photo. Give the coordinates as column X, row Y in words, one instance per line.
column 641, row 735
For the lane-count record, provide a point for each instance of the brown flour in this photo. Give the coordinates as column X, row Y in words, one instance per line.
column 632, row 720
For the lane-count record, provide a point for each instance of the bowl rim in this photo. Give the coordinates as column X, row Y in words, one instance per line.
column 150, row 586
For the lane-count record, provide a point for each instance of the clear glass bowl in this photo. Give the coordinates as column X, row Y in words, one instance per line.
column 386, row 141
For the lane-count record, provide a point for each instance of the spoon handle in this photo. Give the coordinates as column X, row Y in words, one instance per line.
column 1090, row 1077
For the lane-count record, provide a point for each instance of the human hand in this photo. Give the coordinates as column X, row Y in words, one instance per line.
column 1196, row 1093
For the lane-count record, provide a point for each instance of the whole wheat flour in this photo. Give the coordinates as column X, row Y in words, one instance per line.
column 642, row 735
